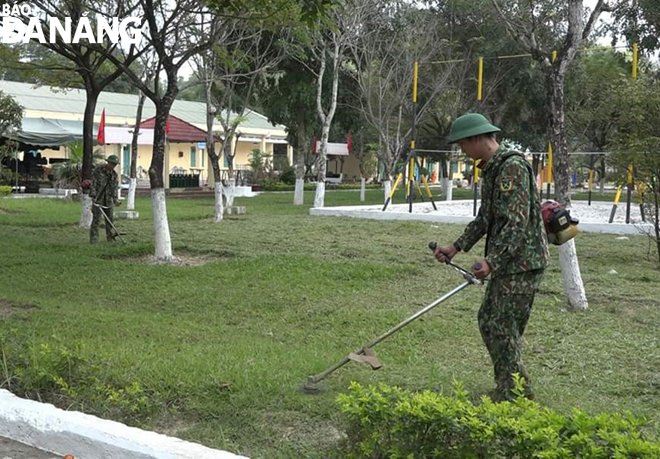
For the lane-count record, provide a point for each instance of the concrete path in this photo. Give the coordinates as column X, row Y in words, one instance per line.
column 10, row 449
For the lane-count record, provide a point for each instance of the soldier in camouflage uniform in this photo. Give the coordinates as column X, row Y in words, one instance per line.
column 103, row 192
column 516, row 247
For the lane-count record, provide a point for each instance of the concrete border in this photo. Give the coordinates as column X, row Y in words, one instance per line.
column 89, row 437
column 374, row 213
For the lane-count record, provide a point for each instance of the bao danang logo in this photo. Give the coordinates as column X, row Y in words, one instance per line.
column 22, row 24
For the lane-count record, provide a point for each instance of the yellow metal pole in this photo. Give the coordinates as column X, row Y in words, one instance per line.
column 634, row 62
column 480, row 80
column 415, row 73
column 617, row 196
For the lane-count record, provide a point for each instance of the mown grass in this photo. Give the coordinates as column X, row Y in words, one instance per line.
column 215, row 353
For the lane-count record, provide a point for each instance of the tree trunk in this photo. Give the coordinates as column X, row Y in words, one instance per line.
column 301, row 148
column 134, row 153
column 363, row 189
column 568, row 261
column 448, row 188
column 319, row 197
column 218, row 207
column 86, row 211
column 387, row 189
column 162, row 240
column 88, row 154
column 231, row 183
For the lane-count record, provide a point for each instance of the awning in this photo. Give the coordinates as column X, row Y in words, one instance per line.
column 47, row 133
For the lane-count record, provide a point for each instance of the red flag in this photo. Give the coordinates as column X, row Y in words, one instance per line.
column 167, row 126
column 100, row 135
column 314, row 146
column 349, row 143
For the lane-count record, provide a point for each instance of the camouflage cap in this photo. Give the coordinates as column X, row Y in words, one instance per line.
column 112, row 159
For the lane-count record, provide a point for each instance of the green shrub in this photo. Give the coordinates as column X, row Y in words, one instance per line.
column 5, row 190
column 60, row 373
column 388, row 422
column 288, row 176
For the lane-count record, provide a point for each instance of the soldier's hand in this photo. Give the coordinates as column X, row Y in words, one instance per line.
column 483, row 269
column 444, row 253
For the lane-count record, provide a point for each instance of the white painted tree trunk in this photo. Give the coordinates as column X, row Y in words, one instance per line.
column 219, row 210
column 163, row 242
column 363, row 189
column 387, row 187
column 230, row 192
column 130, row 200
column 448, row 188
column 299, row 193
column 86, row 211
column 570, row 269
column 319, row 197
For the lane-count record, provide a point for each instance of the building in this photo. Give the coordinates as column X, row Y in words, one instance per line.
column 47, row 110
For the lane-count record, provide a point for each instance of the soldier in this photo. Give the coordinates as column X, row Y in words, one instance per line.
column 103, row 192
column 516, row 247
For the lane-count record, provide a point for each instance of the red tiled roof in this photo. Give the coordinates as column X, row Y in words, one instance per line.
column 180, row 131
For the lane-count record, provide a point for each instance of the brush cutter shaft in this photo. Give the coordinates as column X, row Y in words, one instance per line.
column 417, row 315
column 101, row 208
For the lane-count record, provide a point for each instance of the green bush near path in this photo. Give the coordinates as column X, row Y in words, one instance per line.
column 214, row 349
column 388, row 422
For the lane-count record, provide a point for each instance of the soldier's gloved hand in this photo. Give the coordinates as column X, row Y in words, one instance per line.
column 444, row 253
column 483, row 271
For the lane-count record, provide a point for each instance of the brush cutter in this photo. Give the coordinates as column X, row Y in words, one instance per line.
column 108, row 221
column 366, row 355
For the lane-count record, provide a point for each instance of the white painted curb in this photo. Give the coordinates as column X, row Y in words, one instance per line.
column 88, row 437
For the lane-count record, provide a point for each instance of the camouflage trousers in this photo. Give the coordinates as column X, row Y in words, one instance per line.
column 98, row 218
column 502, row 319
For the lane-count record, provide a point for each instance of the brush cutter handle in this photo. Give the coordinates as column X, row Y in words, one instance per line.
column 467, row 275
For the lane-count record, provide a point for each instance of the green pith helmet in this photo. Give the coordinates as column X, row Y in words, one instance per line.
column 112, row 159
column 469, row 125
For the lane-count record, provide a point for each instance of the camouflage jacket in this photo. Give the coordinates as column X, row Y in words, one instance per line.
column 104, row 186
column 509, row 216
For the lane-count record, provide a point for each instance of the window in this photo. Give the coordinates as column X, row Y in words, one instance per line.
column 193, row 157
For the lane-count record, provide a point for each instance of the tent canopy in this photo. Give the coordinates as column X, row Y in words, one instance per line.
column 48, row 133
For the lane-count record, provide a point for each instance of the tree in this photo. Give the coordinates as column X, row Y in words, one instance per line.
column 639, row 22
column 11, row 117
column 590, row 115
column 11, row 114
column 328, row 49
column 636, row 141
column 391, row 38
column 173, row 36
column 541, row 28
column 89, row 62
column 288, row 97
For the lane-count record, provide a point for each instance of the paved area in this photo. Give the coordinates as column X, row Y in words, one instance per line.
column 10, row 449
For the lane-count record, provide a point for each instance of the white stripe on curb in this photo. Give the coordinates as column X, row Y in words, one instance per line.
column 89, row 437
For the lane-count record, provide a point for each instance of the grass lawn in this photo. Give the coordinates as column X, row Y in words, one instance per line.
column 215, row 352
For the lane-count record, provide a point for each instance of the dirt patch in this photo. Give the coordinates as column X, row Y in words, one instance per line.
column 178, row 260
column 295, row 427
column 9, row 308
column 8, row 211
